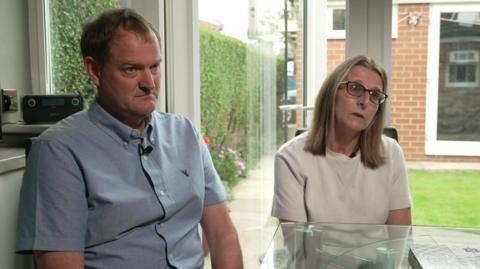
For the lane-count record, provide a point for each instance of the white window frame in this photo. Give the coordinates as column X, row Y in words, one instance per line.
column 38, row 36
column 340, row 34
column 451, row 60
column 316, row 49
column 432, row 145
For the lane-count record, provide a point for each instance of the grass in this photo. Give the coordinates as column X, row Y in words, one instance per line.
column 445, row 198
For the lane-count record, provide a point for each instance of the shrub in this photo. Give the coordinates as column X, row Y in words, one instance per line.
column 227, row 162
column 235, row 80
column 67, row 17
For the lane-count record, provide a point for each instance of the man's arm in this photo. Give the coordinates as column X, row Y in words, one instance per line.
column 59, row 260
column 400, row 217
column 222, row 237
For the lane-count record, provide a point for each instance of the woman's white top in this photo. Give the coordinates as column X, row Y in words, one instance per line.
column 336, row 188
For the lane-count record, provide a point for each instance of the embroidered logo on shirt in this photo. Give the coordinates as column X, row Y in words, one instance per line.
column 185, row 172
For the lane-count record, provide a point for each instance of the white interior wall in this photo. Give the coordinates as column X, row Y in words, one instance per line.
column 369, row 32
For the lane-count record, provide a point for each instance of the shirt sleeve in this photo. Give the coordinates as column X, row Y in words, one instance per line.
column 214, row 190
column 53, row 206
column 289, row 194
column 399, row 192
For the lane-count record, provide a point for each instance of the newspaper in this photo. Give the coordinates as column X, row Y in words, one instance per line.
column 442, row 256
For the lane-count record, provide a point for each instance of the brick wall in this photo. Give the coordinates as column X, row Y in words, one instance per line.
column 299, row 76
column 409, row 73
column 408, row 87
column 335, row 52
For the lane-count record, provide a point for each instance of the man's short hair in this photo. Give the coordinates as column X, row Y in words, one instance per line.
column 97, row 34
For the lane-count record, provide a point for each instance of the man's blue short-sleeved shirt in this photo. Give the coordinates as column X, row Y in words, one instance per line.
column 90, row 187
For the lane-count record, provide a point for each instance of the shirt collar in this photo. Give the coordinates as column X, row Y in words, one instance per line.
column 118, row 130
column 147, row 133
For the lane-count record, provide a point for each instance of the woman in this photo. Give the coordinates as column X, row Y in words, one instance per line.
column 343, row 170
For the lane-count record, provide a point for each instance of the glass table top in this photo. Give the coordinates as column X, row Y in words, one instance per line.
column 367, row 246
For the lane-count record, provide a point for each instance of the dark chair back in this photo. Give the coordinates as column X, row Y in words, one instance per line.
column 300, row 131
column 391, row 132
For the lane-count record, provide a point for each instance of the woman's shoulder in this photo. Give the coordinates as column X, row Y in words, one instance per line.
column 392, row 148
column 390, row 143
column 293, row 154
column 294, row 146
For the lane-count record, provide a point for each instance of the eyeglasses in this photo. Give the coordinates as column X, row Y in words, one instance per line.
column 358, row 90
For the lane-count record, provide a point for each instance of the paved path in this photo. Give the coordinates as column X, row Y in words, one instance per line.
column 250, row 212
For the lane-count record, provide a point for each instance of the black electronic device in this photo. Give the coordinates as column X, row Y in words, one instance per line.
column 49, row 108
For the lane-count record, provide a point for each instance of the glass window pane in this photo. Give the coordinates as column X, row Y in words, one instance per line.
column 251, row 65
column 459, row 87
column 67, row 69
column 336, row 46
column 293, row 118
column 338, row 19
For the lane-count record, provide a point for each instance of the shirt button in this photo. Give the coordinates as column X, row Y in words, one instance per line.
column 125, row 143
column 145, row 157
column 162, row 193
column 171, row 257
column 162, row 224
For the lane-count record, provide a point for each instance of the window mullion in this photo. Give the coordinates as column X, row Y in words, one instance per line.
column 39, row 46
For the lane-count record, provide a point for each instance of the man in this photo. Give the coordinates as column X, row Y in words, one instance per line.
column 120, row 185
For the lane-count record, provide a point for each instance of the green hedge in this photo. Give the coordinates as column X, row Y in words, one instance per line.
column 235, row 80
column 67, row 17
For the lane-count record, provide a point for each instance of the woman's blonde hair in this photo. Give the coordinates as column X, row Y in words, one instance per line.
column 323, row 122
